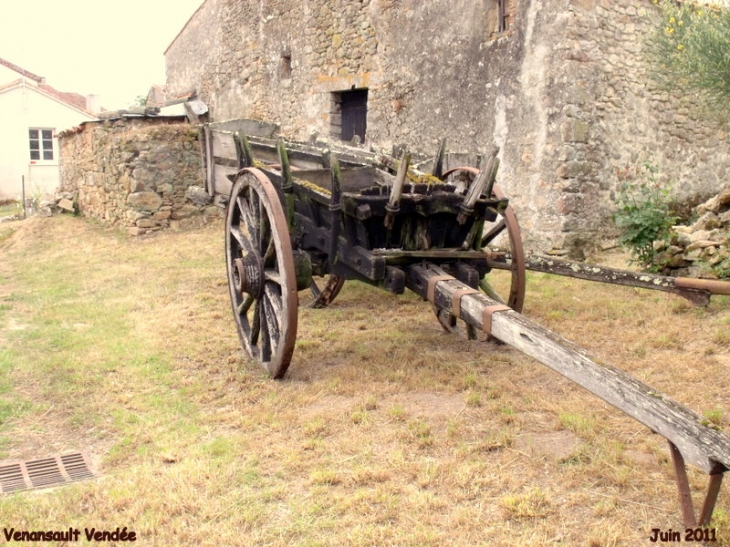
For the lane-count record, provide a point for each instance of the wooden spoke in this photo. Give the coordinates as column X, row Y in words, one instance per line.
column 261, row 276
column 256, row 326
column 236, row 233
column 322, row 291
column 493, row 232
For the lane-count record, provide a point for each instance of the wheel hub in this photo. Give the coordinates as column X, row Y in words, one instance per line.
column 248, row 274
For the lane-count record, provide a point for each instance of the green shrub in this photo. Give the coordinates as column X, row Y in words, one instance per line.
column 689, row 52
column 644, row 215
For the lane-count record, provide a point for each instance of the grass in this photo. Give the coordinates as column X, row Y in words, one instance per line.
column 385, row 431
column 10, row 208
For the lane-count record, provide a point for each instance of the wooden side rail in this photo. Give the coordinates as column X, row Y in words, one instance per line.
column 696, row 443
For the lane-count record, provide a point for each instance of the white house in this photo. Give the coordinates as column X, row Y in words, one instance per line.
column 32, row 112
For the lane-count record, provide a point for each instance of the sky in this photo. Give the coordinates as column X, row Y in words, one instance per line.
column 111, row 48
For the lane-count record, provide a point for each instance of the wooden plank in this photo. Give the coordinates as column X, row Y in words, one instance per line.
column 252, row 128
column 456, row 159
column 700, row 445
column 353, row 179
column 309, row 155
column 441, row 254
column 210, row 162
column 224, row 145
column 222, row 183
column 203, row 142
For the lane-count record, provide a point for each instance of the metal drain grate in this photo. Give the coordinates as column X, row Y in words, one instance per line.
column 45, row 472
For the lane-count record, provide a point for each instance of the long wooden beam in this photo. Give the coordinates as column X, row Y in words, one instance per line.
column 697, row 291
column 700, row 445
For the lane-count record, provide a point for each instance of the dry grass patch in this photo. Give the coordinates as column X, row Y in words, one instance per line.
column 386, row 431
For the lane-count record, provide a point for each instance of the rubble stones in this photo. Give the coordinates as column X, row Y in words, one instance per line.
column 701, row 249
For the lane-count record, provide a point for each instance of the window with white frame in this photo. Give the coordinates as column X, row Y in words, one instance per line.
column 41, row 144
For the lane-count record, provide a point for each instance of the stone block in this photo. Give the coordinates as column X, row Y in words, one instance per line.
column 572, row 169
column 136, row 186
column 198, row 195
column 161, row 215
column 66, row 205
column 47, row 200
column 165, row 188
column 144, row 201
column 146, row 223
column 143, row 175
column 136, row 231
column 212, row 211
column 575, row 131
column 186, row 211
column 570, row 203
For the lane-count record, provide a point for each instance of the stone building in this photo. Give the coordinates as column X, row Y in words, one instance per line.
column 559, row 85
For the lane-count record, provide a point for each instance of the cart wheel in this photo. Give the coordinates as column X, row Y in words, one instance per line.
column 514, row 262
column 323, row 291
column 261, row 276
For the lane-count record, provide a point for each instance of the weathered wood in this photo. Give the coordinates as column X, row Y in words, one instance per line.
column 446, row 254
column 222, row 179
column 243, row 150
column 419, row 204
column 287, row 184
column 458, row 159
column 700, row 445
column 438, row 163
column 210, row 162
column 223, row 145
column 694, row 293
column 393, row 206
column 304, row 156
column 203, row 141
column 492, row 177
column 253, row 128
column 335, row 208
column 353, row 179
column 476, row 188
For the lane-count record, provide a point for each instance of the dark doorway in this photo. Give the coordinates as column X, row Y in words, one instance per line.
column 353, row 106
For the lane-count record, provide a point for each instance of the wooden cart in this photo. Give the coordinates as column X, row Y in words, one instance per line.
column 309, row 217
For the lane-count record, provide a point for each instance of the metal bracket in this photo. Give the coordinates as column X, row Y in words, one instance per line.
column 431, row 291
column 685, row 496
column 456, row 300
column 487, row 316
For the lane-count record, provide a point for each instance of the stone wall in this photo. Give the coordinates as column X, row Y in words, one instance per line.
column 140, row 173
column 563, row 92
